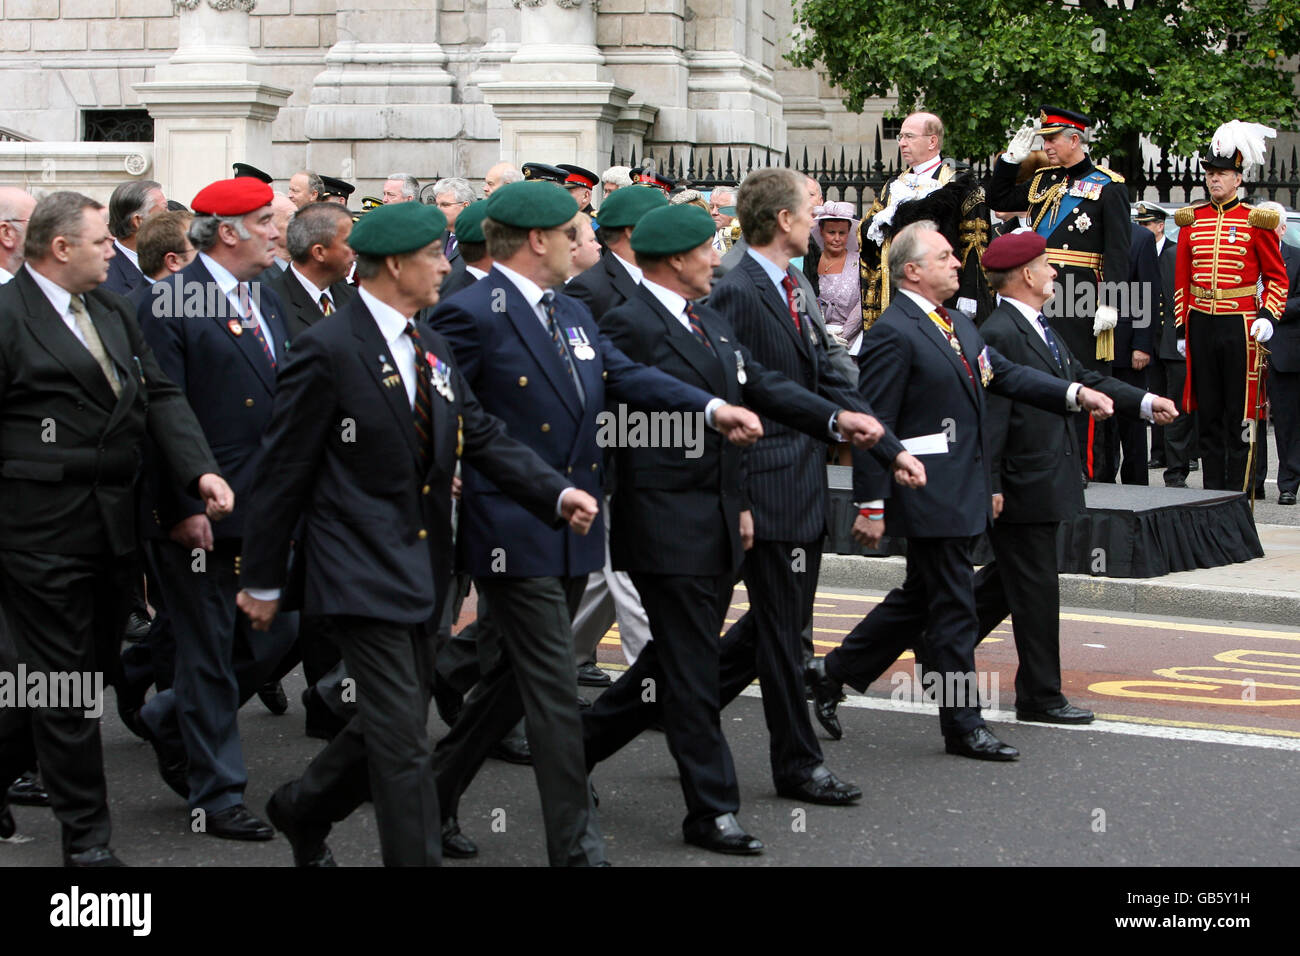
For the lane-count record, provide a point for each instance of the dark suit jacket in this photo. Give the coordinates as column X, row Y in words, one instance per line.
column 74, row 493
column 1285, row 343
column 511, row 362
column 604, row 286
column 1035, row 453
column 787, row 469
column 300, row 311
column 376, row 541
column 225, row 377
column 663, row 490
column 458, row 278
column 123, row 276
column 1139, row 322
column 1168, row 328
column 918, row 386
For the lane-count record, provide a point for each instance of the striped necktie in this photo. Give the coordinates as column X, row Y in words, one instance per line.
column 250, row 320
column 1051, row 340
column 548, row 304
column 940, row 318
column 422, row 412
column 697, row 328
column 93, row 342
column 326, row 304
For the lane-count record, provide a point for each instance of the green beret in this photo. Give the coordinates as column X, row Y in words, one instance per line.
column 396, row 228
column 672, row 229
column 626, row 206
column 469, row 224
column 531, row 204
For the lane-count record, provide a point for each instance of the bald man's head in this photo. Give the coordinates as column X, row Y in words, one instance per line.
column 920, row 138
column 16, row 207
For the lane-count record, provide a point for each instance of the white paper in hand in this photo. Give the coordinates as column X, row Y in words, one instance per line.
column 936, row 444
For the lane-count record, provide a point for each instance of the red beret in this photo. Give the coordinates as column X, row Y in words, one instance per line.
column 232, row 197
column 1013, row 250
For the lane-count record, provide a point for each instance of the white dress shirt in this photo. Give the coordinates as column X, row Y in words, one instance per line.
column 229, row 285
column 132, row 256
column 5, row 275
column 475, row 271
column 632, row 268
column 312, row 291
column 60, row 298
column 392, row 326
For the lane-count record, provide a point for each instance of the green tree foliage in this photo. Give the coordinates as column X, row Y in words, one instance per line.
column 1170, row 69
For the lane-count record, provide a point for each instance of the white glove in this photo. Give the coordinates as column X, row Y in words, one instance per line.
column 1106, row 318
column 1261, row 330
column 1022, row 144
column 1182, row 347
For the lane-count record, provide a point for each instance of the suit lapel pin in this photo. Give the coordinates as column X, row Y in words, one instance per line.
column 236, row 329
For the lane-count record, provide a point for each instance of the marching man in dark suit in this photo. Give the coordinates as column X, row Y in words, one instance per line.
column 313, row 286
column 79, row 387
column 130, row 205
column 221, row 340
column 473, row 262
column 1035, row 469
column 613, row 280
column 367, row 386
column 925, row 370
column 685, row 580
column 538, row 361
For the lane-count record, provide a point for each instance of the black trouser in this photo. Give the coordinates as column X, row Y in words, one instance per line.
column 1158, row 377
column 1218, row 347
column 936, row 600
column 1021, row 581
column 1181, row 436
column 1127, row 437
column 525, row 640
column 153, row 660
column 383, row 753
column 1284, row 399
column 781, row 579
column 678, row 670
column 66, row 614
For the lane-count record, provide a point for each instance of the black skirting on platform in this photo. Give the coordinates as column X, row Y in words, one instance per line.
column 1125, row 531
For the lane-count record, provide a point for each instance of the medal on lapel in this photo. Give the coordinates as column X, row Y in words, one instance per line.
column 741, row 377
column 986, row 367
column 390, row 378
column 580, row 344
column 440, row 376
column 236, row 328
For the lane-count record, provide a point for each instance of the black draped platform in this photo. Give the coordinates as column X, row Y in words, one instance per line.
column 1124, row 531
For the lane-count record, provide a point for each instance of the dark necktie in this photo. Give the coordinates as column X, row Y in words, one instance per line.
column 1051, row 341
column 326, row 306
column 451, row 246
column 788, row 284
column 940, row 318
column 422, row 413
column 553, row 326
column 697, row 328
column 246, row 313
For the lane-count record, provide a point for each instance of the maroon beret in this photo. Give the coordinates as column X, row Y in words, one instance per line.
column 1013, row 250
column 232, row 197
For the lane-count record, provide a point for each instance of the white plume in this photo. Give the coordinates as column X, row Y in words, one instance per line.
column 1248, row 137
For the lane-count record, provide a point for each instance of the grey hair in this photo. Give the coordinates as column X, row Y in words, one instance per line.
column 410, row 185
column 1271, row 206
column 204, row 229
column 906, row 247
column 316, row 222
column 58, row 214
column 511, row 174
column 129, row 199
column 619, row 176
column 458, row 187
column 314, row 183
column 723, row 190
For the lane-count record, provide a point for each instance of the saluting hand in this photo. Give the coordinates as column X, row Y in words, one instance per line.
column 863, row 430
column 908, row 470
column 214, row 491
column 1098, row 405
column 1163, row 410
column 738, row 425
column 579, row 509
column 260, row 613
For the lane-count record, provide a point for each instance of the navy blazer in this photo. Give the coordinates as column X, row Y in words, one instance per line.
column 1168, row 346
column 301, row 311
column 123, row 276
column 604, row 286
column 918, row 386
column 343, row 463
column 1285, row 343
column 511, row 362
column 224, row 374
column 1139, row 324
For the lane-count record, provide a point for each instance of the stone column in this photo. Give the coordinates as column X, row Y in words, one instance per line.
column 211, row 101
column 556, row 99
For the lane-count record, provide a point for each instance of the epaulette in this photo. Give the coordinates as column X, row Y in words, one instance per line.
column 1114, row 176
column 1186, row 215
column 1263, row 218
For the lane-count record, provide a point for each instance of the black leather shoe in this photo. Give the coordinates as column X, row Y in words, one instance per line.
column 826, row 697
column 306, row 841
column 1176, row 482
column 137, row 626
column 8, row 826
column 589, row 675
column 95, row 856
column 1194, row 465
column 1286, row 498
column 1065, row 714
column 980, row 744
column 513, row 750
column 27, row 791
column 823, row 787
column 322, row 723
column 1155, row 463
column 455, row 844
column 237, row 823
column 448, row 701
column 172, row 767
column 725, row 835
column 273, row 696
